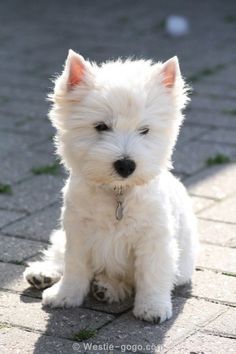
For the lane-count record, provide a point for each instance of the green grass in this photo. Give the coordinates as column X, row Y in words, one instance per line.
column 123, row 19
column 4, row 99
column 230, row 18
column 218, row 159
column 205, row 72
column 5, row 189
column 232, row 112
column 84, row 334
column 159, row 25
column 52, row 169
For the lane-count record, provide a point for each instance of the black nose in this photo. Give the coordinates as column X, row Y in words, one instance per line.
column 124, row 167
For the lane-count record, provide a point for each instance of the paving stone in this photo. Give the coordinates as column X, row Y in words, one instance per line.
column 190, row 132
column 33, row 194
column 212, row 90
column 211, row 119
column 11, row 278
column 224, row 324
column 188, row 315
column 37, row 226
column 14, row 249
column 11, row 142
column 35, row 126
column 216, row 257
column 7, row 217
column 17, row 341
column 225, row 136
column 216, row 182
column 224, row 210
column 212, row 104
column 27, row 312
column 217, row 233
column 210, row 285
column 200, row 203
column 190, row 163
column 19, row 166
column 115, row 308
column 203, row 343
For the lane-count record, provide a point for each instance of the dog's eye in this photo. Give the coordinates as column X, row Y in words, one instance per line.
column 101, row 127
column 144, row 131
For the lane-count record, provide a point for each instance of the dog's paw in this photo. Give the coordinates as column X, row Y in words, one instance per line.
column 107, row 290
column 41, row 277
column 153, row 311
column 63, row 295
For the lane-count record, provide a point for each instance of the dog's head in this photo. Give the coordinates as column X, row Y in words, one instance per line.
column 117, row 123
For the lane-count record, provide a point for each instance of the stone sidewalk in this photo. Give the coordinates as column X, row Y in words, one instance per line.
column 34, row 39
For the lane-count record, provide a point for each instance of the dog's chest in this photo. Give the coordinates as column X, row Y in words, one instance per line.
column 111, row 241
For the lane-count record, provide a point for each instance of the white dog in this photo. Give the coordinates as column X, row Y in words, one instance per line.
column 127, row 222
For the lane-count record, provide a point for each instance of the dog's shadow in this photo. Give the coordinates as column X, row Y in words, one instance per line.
column 95, row 323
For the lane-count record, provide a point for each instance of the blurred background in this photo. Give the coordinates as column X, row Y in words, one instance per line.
column 34, row 40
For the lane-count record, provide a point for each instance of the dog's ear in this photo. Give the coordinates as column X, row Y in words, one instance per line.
column 77, row 70
column 170, row 72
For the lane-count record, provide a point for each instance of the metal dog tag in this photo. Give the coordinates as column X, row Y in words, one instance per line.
column 119, row 211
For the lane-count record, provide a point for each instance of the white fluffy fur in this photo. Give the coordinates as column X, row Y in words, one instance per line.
column 153, row 247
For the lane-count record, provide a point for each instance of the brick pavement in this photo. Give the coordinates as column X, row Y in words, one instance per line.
column 34, row 39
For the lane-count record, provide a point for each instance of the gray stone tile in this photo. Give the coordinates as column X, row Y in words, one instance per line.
column 11, row 142
column 224, row 324
column 33, row 194
column 37, row 226
column 216, row 182
column 7, row 217
column 114, row 308
column 225, row 211
column 188, row 133
column 218, row 258
column 190, row 158
column 217, row 233
column 211, row 286
column 219, row 135
column 212, row 90
column 212, row 104
column 13, row 249
column 58, row 322
column 205, row 343
column 18, row 340
column 210, row 119
column 188, row 315
column 19, row 165
column 200, row 203
column 11, row 278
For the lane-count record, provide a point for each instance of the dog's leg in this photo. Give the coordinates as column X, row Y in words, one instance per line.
column 74, row 284
column 154, row 277
column 188, row 249
column 110, row 290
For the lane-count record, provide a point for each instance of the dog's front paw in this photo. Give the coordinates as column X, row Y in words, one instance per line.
column 63, row 295
column 153, row 310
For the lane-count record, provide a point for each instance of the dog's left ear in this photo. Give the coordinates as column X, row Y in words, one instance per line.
column 77, row 70
column 170, row 72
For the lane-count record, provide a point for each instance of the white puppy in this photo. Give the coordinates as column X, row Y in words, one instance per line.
column 127, row 222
